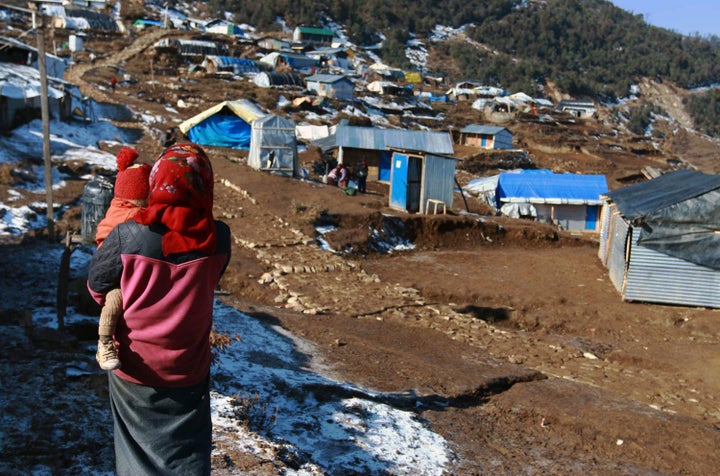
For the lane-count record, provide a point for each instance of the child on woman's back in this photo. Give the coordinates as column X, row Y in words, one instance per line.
column 131, row 191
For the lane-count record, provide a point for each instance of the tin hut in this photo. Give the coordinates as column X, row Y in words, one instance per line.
column 421, row 182
column 660, row 239
column 486, row 137
column 330, row 85
column 351, row 144
column 571, row 201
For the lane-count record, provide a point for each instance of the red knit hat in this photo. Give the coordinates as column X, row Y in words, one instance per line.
column 133, row 180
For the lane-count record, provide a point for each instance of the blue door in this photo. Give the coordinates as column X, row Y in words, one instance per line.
column 385, row 166
column 399, row 181
column 591, row 217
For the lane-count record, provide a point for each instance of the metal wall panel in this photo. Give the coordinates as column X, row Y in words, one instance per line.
column 660, row 278
column 438, row 181
column 617, row 251
column 606, row 213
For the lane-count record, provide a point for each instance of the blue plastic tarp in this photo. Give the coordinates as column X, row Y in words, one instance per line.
column 222, row 130
column 544, row 187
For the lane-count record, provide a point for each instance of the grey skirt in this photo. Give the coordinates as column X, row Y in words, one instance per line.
column 161, row 431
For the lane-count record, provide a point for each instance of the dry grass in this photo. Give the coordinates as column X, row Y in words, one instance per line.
column 6, row 174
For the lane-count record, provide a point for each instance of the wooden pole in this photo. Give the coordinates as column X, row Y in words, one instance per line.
column 45, row 114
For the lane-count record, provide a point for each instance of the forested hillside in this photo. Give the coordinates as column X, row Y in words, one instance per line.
column 588, row 48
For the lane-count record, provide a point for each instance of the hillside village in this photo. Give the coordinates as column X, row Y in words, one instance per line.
column 494, row 276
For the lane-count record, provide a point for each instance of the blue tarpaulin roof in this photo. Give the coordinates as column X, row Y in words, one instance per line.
column 224, row 125
column 547, row 187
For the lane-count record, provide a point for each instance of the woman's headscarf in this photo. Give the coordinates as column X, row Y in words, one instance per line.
column 181, row 199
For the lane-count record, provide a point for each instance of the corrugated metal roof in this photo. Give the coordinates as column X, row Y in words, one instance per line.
column 380, row 139
column 636, row 201
column 18, row 81
column 315, row 31
column 326, row 78
column 230, row 60
column 482, row 129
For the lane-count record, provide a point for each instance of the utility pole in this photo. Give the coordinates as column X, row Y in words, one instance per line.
column 45, row 115
column 39, row 26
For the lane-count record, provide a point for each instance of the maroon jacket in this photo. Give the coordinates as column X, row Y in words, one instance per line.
column 164, row 335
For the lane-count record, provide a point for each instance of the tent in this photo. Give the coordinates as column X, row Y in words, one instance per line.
column 224, row 125
column 273, row 146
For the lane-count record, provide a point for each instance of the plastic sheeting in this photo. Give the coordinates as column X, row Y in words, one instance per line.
column 226, row 124
column 273, row 146
column 222, row 130
column 678, row 214
column 543, row 186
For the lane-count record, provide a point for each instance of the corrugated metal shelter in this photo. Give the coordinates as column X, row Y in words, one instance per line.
column 419, row 181
column 310, row 35
column 269, row 80
column 487, row 137
column 297, row 62
column 273, row 146
column 194, row 50
column 224, row 27
column 660, row 240
column 214, row 64
column 226, row 124
column 330, row 85
column 571, row 201
column 20, row 96
column 73, row 18
column 353, row 143
column 577, row 107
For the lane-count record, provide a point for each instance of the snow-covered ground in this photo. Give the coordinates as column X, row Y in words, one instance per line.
column 349, row 430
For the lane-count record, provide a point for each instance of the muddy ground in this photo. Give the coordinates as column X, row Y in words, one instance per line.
column 510, row 334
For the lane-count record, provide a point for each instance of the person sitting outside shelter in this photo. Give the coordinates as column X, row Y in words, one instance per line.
column 343, row 176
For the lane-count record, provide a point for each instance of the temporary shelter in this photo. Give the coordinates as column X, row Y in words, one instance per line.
column 215, row 64
column 226, row 124
column 273, row 146
column 270, row 79
column 330, row 85
column 310, row 35
column 660, row 239
column 486, row 137
column 352, row 144
column 419, row 181
column 20, row 96
column 195, row 50
column 571, row 201
column 297, row 62
column 224, row 27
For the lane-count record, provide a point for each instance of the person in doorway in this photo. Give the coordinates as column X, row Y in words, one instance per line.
column 167, row 261
column 131, row 191
column 361, row 175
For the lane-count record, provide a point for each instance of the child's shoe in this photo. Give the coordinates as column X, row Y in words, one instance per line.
column 107, row 355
